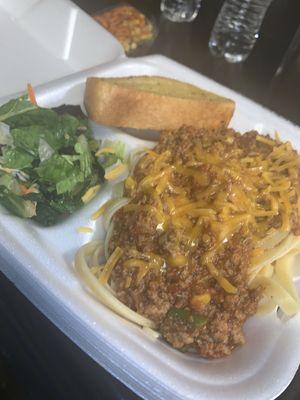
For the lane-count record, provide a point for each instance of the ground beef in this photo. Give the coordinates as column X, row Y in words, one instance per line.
column 213, row 328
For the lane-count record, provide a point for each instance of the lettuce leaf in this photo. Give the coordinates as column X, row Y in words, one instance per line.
column 5, row 135
column 38, row 116
column 109, row 159
column 17, row 204
column 60, row 132
column 55, row 169
column 82, row 148
column 16, row 158
column 10, row 183
column 66, row 204
column 27, row 138
column 61, row 173
column 46, row 215
column 69, row 184
column 45, row 151
column 15, row 107
column 53, row 151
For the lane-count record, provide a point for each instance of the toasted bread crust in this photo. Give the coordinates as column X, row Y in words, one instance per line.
column 108, row 103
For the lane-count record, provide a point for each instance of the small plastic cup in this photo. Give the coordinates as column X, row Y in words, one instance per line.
column 180, row 10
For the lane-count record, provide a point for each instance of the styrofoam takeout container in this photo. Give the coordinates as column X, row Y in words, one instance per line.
column 39, row 261
column 43, row 40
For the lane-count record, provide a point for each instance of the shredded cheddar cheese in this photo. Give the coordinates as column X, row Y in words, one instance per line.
column 233, row 192
column 85, row 229
column 115, row 172
column 101, row 210
column 90, row 193
column 153, row 262
column 130, row 183
column 110, row 264
column 199, row 300
column 105, row 150
column 177, row 260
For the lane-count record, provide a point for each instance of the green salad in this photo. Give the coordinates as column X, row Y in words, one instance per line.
column 50, row 165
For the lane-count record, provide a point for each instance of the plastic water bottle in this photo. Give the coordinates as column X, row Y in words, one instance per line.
column 180, row 10
column 237, row 28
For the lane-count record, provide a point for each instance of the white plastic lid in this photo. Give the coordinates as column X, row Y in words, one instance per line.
column 43, row 40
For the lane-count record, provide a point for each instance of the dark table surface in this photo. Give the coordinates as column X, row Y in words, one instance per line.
column 37, row 361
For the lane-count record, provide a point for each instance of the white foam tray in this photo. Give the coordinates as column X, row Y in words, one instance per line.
column 39, row 262
column 42, row 40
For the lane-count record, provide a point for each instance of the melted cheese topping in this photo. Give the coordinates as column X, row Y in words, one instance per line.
column 227, row 190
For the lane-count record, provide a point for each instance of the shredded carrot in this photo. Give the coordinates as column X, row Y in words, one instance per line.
column 25, row 190
column 31, row 94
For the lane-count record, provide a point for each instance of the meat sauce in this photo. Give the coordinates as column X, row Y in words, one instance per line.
column 199, row 206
